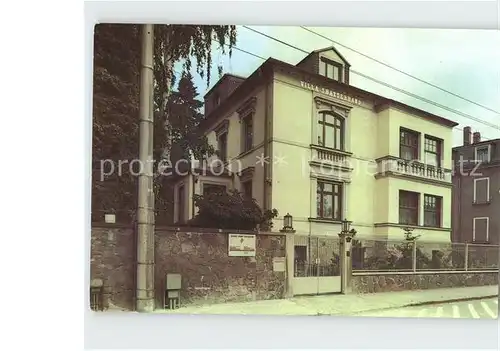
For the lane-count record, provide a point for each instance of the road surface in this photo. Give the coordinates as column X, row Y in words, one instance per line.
column 484, row 309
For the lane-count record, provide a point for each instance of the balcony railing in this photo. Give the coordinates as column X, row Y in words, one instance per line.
column 412, row 168
column 331, row 157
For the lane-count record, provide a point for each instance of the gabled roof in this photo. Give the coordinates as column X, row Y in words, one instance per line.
column 323, row 50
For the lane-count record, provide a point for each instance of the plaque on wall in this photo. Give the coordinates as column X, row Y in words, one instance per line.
column 279, row 264
column 242, row 245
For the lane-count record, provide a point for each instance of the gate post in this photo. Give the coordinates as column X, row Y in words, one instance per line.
column 346, row 236
column 290, row 264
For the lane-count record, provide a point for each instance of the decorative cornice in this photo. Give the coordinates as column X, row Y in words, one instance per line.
column 330, row 178
column 247, row 174
column 222, row 127
column 331, row 165
column 326, row 104
column 247, row 108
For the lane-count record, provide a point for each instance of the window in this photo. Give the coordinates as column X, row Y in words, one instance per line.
column 222, row 146
column 480, row 229
column 216, row 99
column 329, row 200
column 408, row 145
column 408, row 207
column 330, row 130
column 247, row 189
column 481, row 190
column 432, row 149
column 180, row 203
column 331, row 70
column 483, row 154
column 247, row 137
column 209, row 189
column 432, row 211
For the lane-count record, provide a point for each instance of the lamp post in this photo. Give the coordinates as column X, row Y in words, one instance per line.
column 346, row 234
column 287, row 224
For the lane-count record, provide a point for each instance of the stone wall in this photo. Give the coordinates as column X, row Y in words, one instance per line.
column 380, row 282
column 112, row 260
column 209, row 275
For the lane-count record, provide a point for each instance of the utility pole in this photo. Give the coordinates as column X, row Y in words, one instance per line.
column 145, row 299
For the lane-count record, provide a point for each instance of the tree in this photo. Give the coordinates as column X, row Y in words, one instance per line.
column 232, row 210
column 117, row 49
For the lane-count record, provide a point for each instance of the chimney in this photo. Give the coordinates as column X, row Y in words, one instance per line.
column 467, row 135
column 476, row 137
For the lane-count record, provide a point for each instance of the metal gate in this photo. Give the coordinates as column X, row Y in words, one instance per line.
column 316, row 265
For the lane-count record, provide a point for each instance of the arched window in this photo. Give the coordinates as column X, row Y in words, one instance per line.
column 330, row 130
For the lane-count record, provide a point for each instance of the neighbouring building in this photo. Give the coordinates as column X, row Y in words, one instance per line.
column 476, row 190
column 301, row 139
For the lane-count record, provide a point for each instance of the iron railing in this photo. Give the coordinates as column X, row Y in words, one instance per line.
column 414, row 256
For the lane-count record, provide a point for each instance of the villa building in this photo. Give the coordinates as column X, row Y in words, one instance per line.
column 301, row 139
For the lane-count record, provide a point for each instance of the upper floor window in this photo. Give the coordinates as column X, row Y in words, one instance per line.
column 408, row 145
column 247, row 132
column 180, row 204
column 216, row 99
column 222, row 146
column 432, row 211
column 482, row 154
column 408, row 207
column 432, row 149
column 247, row 189
column 329, row 200
column 331, row 69
column 330, row 130
column 481, row 193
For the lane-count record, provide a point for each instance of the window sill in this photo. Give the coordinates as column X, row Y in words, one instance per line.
column 325, row 220
column 478, row 203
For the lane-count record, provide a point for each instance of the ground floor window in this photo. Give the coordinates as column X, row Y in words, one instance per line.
column 329, row 200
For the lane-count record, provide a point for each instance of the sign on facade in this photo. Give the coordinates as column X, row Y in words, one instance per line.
column 279, row 264
column 328, row 92
column 242, row 245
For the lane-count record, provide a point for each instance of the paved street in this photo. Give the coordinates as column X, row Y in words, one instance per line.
column 353, row 304
column 487, row 308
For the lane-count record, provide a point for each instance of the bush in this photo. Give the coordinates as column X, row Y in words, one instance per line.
column 231, row 211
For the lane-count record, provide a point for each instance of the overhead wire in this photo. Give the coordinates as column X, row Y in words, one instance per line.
column 444, row 107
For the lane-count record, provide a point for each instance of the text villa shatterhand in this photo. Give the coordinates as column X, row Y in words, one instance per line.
column 329, row 92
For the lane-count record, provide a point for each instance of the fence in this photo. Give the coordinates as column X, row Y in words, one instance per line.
column 401, row 256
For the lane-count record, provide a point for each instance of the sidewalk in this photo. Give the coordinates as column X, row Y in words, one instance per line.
column 341, row 304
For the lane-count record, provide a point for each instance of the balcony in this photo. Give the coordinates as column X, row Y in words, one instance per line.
column 390, row 166
column 331, row 158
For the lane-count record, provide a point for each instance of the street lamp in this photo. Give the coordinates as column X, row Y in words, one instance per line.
column 287, row 224
column 346, row 232
column 346, row 225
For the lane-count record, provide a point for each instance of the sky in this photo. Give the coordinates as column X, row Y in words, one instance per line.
column 465, row 62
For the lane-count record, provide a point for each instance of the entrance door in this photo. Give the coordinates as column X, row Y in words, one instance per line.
column 316, row 265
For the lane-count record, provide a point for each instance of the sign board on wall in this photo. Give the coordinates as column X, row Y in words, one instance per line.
column 279, row 264
column 242, row 245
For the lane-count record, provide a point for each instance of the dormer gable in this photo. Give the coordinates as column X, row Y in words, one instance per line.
column 327, row 62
